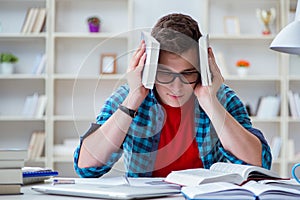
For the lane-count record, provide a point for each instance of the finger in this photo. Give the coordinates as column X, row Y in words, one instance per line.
column 136, row 58
column 141, row 62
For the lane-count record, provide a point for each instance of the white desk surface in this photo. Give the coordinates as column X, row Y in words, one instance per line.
column 29, row 194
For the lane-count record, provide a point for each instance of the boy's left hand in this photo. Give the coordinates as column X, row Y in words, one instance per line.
column 205, row 94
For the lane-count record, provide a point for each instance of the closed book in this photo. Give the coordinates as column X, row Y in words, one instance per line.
column 13, row 154
column 27, row 19
column 152, row 54
column 204, row 65
column 40, row 21
column 32, row 20
column 10, row 189
column 9, row 164
column 11, row 176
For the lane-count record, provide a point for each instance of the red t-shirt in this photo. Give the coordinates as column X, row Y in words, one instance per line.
column 177, row 148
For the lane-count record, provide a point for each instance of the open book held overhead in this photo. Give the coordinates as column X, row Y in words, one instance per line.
column 220, row 172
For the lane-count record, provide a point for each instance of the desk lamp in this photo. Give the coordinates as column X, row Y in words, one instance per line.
column 288, row 39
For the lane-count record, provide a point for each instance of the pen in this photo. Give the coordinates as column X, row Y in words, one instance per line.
column 63, row 181
column 126, row 179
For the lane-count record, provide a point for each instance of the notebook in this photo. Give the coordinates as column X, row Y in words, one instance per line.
column 106, row 192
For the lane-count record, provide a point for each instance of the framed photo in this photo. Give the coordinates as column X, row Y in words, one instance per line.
column 231, row 25
column 108, row 63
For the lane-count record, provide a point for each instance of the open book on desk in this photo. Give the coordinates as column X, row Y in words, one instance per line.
column 152, row 54
column 220, row 172
column 251, row 190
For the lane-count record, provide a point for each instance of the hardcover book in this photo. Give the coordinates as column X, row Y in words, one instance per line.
column 152, row 54
column 204, row 65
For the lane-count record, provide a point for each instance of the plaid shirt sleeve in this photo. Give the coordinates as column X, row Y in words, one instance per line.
column 236, row 108
column 110, row 106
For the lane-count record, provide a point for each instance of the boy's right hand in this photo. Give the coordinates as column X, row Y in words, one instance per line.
column 137, row 92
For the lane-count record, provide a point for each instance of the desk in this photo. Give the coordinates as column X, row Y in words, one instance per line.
column 29, row 194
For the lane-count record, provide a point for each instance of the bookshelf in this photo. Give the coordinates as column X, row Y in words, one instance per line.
column 76, row 91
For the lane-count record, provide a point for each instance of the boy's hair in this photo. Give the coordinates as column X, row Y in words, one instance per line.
column 176, row 33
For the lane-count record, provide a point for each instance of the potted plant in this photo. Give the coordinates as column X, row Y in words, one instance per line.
column 242, row 67
column 94, row 23
column 7, row 61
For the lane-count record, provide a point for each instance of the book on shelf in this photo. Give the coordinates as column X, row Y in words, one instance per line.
column 34, row 21
column 294, row 104
column 250, row 190
column 276, row 147
column 40, row 64
column 41, row 106
column 34, row 105
column 152, row 54
column 13, row 154
column 10, row 188
column 226, row 172
column 203, row 56
column 30, row 105
column 36, row 145
column 39, row 21
column 27, row 20
column 268, row 107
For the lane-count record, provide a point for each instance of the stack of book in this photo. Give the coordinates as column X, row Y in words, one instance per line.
column 34, row 21
column 11, row 163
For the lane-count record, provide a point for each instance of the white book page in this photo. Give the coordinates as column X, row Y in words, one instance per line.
column 243, row 170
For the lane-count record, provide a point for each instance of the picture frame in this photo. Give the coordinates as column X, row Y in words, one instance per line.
column 108, row 63
column 231, row 25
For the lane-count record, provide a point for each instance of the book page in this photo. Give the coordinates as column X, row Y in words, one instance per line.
column 246, row 171
column 218, row 190
column 272, row 191
column 191, row 177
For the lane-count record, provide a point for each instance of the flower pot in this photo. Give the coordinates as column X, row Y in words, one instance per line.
column 242, row 71
column 7, row 68
column 94, row 28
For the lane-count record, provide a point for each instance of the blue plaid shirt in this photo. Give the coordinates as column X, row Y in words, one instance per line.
column 141, row 142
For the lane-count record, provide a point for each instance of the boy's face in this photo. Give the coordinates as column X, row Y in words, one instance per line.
column 180, row 69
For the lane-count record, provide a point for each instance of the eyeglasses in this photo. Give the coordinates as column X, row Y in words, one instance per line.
column 166, row 77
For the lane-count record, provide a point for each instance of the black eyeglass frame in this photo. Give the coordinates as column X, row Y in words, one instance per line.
column 180, row 75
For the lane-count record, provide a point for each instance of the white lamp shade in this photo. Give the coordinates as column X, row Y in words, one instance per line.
column 288, row 39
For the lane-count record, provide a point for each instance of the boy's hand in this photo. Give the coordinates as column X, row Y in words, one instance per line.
column 137, row 91
column 205, row 94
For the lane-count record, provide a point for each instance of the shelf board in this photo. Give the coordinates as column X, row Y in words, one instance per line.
column 83, row 35
column 294, row 119
column 294, row 78
column 22, row 35
column 21, row 118
column 22, row 76
column 241, row 37
column 72, row 118
column 253, row 78
column 256, row 119
column 89, row 77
